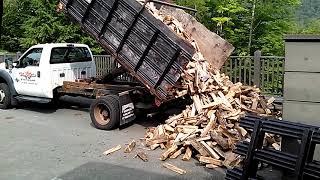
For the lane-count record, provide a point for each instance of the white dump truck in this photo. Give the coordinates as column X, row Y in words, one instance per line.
column 46, row 72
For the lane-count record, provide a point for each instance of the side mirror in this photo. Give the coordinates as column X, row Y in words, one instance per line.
column 8, row 63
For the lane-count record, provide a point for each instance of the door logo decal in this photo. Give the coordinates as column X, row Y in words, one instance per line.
column 27, row 75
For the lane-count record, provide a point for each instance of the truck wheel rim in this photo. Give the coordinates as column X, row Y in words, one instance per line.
column 2, row 96
column 102, row 114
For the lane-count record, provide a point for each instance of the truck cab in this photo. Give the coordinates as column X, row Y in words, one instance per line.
column 42, row 69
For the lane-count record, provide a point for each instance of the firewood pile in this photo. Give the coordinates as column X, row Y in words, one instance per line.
column 209, row 128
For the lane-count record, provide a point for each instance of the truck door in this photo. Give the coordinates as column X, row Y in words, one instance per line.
column 27, row 75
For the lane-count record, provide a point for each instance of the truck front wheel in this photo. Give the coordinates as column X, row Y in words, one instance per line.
column 5, row 96
column 105, row 112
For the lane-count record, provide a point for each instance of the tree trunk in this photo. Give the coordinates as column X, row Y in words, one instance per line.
column 1, row 14
column 251, row 26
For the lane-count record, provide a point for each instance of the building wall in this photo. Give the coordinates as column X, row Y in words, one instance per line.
column 302, row 84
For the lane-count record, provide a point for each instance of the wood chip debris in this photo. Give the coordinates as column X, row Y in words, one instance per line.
column 187, row 155
column 209, row 160
column 112, row 150
column 174, row 168
column 130, row 146
column 143, row 156
column 211, row 166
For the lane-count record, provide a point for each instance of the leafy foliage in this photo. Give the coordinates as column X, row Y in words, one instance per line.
column 309, row 11
column 308, row 17
column 233, row 20
column 30, row 22
column 248, row 24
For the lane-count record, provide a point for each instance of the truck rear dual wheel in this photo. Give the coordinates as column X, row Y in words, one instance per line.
column 5, row 96
column 105, row 112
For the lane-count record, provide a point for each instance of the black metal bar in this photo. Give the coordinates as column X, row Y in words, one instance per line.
column 301, row 161
column 145, row 53
column 284, row 124
column 165, row 72
column 234, row 174
column 69, row 3
column 316, row 136
column 293, row 124
column 247, row 123
column 313, row 169
column 250, row 165
column 312, row 147
column 311, row 151
column 174, row 5
column 284, row 128
column 276, row 158
column 242, row 148
column 302, row 165
column 87, row 11
column 283, row 132
column 109, row 17
column 252, row 117
column 135, row 20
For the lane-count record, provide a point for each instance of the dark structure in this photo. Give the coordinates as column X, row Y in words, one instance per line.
column 302, row 165
column 143, row 45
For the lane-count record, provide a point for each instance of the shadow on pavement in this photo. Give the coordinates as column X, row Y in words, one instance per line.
column 78, row 103
column 103, row 171
column 36, row 107
column 157, row 118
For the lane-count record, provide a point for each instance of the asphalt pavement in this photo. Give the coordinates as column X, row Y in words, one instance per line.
column 38, row 142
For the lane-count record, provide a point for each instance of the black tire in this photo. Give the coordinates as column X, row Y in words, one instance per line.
column 5, row 96
column 55, row 103
column 105, row 112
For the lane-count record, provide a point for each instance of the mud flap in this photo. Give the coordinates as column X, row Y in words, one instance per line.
column 127, row 108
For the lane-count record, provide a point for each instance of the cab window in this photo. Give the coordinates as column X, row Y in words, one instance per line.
column 70, row 55
column 32, row 58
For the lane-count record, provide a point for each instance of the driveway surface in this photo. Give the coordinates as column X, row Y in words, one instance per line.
column 38, row 143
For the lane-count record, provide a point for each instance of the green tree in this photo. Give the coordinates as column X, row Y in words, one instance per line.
column 312, row 27
column 308, row 18
column 273, row 20
column 15, row 13
column 308, row 11
column 249, row 24
column 30, row 22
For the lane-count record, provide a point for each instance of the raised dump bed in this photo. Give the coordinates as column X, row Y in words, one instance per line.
column 143, row 45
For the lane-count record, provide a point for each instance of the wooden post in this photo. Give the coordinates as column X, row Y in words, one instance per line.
column 257, row 68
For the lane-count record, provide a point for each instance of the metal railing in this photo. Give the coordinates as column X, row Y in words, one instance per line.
column 266, row 72
column 105, row 64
